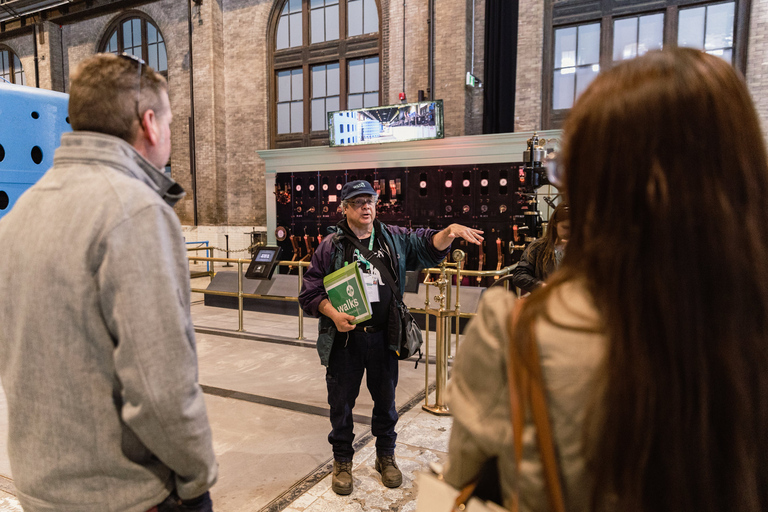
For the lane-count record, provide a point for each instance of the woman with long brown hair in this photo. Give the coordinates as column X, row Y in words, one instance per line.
column 543, row 257
column 653, row 336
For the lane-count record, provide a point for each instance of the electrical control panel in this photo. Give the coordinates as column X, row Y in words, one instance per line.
column 482, row 196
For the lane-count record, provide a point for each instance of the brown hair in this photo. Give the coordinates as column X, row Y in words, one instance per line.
column 545, row 258
column 667, row 182
column 103, row 94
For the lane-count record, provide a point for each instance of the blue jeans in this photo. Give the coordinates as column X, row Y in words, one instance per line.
column 363, row 353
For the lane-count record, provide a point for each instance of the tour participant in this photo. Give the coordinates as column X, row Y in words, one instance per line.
column 97, row 348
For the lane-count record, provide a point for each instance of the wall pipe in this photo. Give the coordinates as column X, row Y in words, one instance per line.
column 431, row 51
column 37, row 69
column 63, row 74
column 192, row 146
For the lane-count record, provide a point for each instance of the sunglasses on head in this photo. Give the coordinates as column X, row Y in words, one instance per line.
column 141, row 63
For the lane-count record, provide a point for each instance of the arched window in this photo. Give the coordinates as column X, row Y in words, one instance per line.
column 134, row 33
column 10, row 67
column 325, row 57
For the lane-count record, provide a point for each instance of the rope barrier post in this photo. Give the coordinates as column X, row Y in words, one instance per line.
column 240, row 295
column 301, row 312
column 226, row 241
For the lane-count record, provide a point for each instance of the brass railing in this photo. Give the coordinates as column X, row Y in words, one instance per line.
column 240, row 294
column 444, row 312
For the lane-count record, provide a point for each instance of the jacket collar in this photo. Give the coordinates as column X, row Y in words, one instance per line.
column 89, row 147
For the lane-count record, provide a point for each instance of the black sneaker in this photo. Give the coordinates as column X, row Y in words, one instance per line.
column 341, row 482
column 391, row 476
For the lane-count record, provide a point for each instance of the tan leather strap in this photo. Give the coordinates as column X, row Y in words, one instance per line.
column 464, row 496
column 526, row 385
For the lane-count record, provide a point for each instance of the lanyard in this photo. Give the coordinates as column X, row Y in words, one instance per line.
column 360, row 257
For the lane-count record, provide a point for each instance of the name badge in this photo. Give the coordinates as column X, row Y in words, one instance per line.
column 371, row 287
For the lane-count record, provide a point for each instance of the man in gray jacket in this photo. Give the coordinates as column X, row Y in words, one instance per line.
column 97, row 348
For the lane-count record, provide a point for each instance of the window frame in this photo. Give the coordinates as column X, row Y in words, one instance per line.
column 573, row 13
column 116, row 25
column 12, row 66
column 306, row 56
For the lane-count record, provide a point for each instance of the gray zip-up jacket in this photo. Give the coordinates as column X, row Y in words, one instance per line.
column 97, row 348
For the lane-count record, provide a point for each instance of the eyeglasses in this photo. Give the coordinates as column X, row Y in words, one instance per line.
column 555, row 169
column 140, row 62
column 359, row 203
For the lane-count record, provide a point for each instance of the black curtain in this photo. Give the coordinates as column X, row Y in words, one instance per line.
column 501, row 18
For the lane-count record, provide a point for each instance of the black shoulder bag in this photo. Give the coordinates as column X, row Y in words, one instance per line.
column 402, row 329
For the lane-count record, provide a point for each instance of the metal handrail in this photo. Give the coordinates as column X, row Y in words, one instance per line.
column 443, row 313
column 241, row 295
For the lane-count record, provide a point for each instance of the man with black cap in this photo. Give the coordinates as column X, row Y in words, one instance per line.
column 349, row 350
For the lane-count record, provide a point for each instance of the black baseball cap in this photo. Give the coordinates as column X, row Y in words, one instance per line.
column 356, row 188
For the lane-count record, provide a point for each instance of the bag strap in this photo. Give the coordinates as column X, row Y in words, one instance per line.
column 371, row 256
column 526, row 381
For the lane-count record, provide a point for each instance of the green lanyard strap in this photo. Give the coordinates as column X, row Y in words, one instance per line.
column 370, row 248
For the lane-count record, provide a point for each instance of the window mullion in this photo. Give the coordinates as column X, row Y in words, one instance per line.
column 144, row 45
column 342, row 20
column 706, row 20
column 305, row 13
column 605, row 57
column 670, row 25
column 306, row 101
column 343, row 83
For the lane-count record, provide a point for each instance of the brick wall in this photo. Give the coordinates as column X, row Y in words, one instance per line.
column 413, row 77
column 452, row 57
column 757, row 61
column 210, row 127
column 530, row 44
column 247, row 108
column 51, row 55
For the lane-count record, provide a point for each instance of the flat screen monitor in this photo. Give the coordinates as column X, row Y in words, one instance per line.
column 394, row 123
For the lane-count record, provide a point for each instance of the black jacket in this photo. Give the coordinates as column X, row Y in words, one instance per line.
column 527, row 276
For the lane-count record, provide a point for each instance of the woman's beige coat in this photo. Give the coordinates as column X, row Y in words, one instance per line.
column 478, row 396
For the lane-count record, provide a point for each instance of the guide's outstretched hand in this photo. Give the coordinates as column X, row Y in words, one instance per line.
column 443, row 239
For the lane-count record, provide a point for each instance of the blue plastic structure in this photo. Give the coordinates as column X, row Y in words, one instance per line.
column 31, row 123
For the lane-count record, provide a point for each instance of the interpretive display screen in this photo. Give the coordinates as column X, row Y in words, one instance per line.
column 263, row 263
column 265, row 255
column 393, row 123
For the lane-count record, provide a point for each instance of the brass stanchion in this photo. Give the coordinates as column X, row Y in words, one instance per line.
column 426, row 341
column 301, row 312
column 458, row 256
column 441, row 352
column 240, row 295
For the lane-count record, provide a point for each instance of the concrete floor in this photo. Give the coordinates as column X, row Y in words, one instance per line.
column 265, row 392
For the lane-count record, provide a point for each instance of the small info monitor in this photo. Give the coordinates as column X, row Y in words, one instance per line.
column 263, row 263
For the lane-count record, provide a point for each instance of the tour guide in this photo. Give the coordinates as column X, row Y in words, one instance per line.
column 348, row 350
